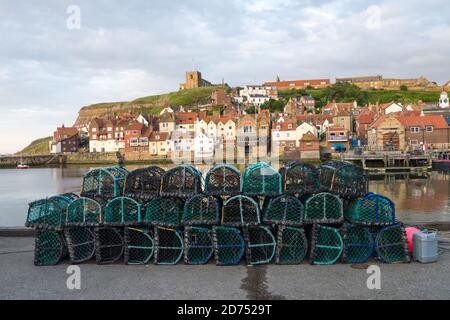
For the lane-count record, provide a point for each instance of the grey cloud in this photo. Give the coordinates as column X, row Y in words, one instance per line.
column 127, row 49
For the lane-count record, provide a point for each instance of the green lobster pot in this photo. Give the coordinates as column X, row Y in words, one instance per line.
column 201, row 210
column 391, row 245
column 108, row 245
column 260, row 245
column 50, row 248
column 139, row 246
column 169, row 246
column 344, row 179
column 182, row 181
column 326, row 245
column 260, row 179
column 229, row 245
column 164, row 212
column 198, row 245
column 144, row 184
column 223, row 180
column 81, row 244
column 371, row 210
column 85, row 212
column 122, row 211
column 325, row 208
column 240, row 211
column 49, row 213
column 283, row 210
column 358, row 244
column 106, row 183
column 292, row 245
column 300, row 178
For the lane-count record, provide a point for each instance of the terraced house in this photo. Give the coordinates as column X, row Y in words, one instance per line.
column 102, row 136
column 403, row 132
column 65, row 140
column 137, row 137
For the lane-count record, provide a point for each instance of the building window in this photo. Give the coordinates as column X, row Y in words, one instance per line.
column 415, row 129
column 94, row 129
column 429, row 128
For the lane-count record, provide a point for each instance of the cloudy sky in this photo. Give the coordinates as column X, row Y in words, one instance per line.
column 128, row 49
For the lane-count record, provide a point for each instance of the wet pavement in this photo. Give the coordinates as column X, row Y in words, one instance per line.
column 20, row 279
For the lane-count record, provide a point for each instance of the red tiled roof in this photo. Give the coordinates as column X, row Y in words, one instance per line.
column 437, row 121
column 159, row 136
column 64, row 133
column 135, row 126
column 367, row 117
column 409, row 119
column 447, row 84
column 284, row 126
column 186, row 118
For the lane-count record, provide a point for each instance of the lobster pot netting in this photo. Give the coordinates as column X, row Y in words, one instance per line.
column 358, row 244
column 181, row 181
column 372, row 210
column 300, row 178
column 292, row 245
column 323, row 208
column 144, row 184
column 260, row 179
column 326, row 245
column 223, row 180
column 139, row 246
column 168, row 246
column 164, row 212
column 49, row 213
column 344, row 179
column 109, row 245
column 391, row 245
column 198, row 245
column 105, row 182
column 201, row 210
column 284, row 210
column 85, row 212
column 122, row 211
column 240, row 211
column 81, row 244
column 229, row 245
column 50, row 248
column 260, row 244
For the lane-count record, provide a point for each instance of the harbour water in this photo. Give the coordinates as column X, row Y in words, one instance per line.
column 418, row 199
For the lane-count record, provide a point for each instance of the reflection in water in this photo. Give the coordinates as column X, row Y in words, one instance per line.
column 417, row 199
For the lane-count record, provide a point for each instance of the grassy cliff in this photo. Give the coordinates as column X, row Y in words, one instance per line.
column 37, row 147
column 150, row 105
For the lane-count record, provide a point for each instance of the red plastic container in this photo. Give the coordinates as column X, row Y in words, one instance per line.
column 409, row 235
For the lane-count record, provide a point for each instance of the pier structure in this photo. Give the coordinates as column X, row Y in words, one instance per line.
column 390, row 162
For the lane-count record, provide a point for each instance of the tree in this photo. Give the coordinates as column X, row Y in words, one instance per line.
column 403, row 88
column 273, row 105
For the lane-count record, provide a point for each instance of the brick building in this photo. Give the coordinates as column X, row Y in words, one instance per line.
column 65, row 140
column 299, row 84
